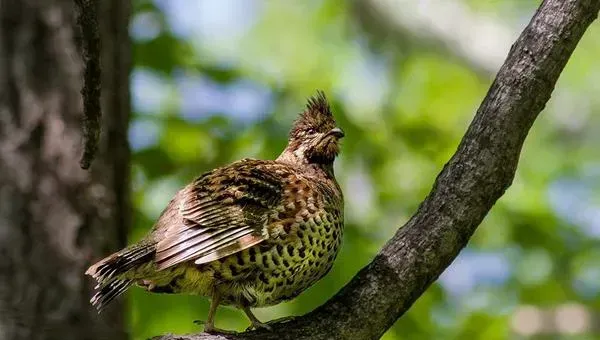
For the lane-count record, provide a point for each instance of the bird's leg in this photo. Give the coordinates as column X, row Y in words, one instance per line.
column 214, row 305
column 256, row 324
column 209, row 325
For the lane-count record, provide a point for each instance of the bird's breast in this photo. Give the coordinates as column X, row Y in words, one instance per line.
column 300, row 253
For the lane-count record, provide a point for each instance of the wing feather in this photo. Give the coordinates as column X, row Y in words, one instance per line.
column 199, row 249
column 230, row 248
column 207, row 237
column 221, row 213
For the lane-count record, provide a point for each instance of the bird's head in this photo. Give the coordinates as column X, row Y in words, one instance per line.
column 314, row 137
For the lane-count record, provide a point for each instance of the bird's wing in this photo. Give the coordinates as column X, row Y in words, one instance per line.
column 221, row 213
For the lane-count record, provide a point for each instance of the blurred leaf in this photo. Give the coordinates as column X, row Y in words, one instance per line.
column 404, row 109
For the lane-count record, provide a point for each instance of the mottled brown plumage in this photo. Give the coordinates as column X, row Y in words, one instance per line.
column 250, row 234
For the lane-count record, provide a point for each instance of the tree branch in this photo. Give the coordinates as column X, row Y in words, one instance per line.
column 87, row 20
column 477, row 175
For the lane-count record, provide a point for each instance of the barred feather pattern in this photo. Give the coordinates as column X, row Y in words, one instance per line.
column 109, row 273
column 109, row 292
column 220, row 213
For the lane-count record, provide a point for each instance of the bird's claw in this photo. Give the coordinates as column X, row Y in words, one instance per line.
column 213, row 329
column 259, row 325
column 269, row 325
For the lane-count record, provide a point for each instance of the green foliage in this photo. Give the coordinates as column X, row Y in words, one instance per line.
column 404, row 115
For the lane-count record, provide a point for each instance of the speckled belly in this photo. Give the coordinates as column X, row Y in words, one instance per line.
column 282, row 267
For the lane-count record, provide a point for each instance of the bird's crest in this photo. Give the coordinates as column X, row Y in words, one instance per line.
column 318, row 105
column 317, row 115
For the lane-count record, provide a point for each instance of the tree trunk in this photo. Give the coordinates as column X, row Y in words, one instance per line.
column 55, row 218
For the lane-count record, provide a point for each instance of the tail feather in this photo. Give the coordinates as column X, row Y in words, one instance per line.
column 119, row 263
column 109, row 292
column 110, row 272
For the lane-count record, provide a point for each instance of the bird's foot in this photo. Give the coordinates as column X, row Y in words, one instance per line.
column 268, row 325
column 259, row 325
column 212, row 329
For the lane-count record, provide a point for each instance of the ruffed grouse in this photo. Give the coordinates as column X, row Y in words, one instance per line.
column 250, row 234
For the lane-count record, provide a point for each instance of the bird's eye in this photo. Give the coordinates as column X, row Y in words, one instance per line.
column 311, row 131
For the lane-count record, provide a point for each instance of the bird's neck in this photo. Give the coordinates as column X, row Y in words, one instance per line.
column 297, row 159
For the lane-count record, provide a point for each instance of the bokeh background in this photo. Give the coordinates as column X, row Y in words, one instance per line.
column 215, row 81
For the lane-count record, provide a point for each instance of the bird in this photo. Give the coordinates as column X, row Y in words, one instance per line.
column 250, row 234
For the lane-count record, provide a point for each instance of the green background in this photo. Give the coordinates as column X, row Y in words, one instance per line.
column 217, row 81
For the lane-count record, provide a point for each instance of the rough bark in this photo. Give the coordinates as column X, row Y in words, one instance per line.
column 55, row 217
column 477, row 175
column 87, row 21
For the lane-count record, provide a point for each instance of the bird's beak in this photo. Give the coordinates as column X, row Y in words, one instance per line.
column 337, row 132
